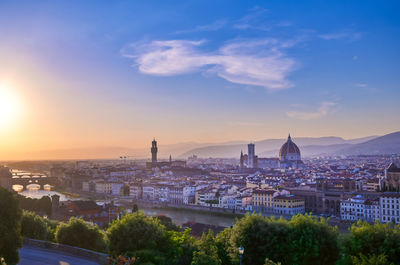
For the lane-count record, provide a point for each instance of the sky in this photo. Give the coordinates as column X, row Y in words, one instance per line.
column 118, row 73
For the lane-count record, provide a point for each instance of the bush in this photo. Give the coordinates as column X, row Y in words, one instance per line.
column 33, row 226
column 136, row 232
column 81, row 234
column 377, row 241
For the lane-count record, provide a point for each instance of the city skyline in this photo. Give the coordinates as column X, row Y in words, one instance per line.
column 108, row 74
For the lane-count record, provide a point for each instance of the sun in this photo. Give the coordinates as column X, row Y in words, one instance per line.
column 9, row 106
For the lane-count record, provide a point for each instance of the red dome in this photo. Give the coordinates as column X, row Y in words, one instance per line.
column 289, row 148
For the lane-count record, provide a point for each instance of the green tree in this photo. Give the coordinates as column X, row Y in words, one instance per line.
column 134, row 232
column 373, row 240
column 371, row 260
column 167, row 222
column 81, row 234
column 33, row 226
column 207, row 252
column 10, row 227
column 312, row 241
column 180, row 247
column 223, row 243
column 261, row 237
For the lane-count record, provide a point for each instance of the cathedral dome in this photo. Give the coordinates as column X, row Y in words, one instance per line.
column 289, row 151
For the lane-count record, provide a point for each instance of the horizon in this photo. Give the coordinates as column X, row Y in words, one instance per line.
column 116, row 74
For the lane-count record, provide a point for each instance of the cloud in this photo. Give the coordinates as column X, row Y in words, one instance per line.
column 258, row 62
column 253, row 20
column 324, row 109
column 361, row 85
column 216, row 25
column 344, row 34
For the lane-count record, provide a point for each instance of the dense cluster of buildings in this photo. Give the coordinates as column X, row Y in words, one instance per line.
column 347, row 188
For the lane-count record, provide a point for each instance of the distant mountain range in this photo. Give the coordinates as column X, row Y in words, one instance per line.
column 387, row 144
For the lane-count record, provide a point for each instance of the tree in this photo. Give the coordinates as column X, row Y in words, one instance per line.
column 372, row 240
column 222, row 241
column 134, row 232
column 81, row 234
column 180, row 247
column 312, row 241
column 261, row 237
column 10, row 227
column 371, row 260
column 207, row 252
column 135, row 208
column 33, row 226
column 167, row 222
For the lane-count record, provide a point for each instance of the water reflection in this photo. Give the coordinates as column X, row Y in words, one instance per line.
column 182, row 216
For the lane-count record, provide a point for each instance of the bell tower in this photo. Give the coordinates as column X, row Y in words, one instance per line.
column 154, row 150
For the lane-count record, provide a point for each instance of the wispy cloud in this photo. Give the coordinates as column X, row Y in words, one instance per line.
column 324, row 109
column 361, row 85
column 254, row 19
column 344, row 34
column 216, row 25
column 260, row 62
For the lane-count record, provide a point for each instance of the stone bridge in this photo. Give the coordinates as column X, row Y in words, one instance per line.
column 26, row 179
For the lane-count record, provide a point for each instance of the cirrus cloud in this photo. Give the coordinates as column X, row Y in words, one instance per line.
column 324, row 109
column 260, row 62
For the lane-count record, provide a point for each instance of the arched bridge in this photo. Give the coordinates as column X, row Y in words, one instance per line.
column 25, row 179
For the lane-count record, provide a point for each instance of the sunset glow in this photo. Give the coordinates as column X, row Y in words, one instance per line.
column 9, row 106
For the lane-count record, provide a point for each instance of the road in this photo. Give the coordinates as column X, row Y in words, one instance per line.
column 39, row 256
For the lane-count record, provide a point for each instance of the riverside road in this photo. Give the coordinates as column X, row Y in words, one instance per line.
column 39, row 256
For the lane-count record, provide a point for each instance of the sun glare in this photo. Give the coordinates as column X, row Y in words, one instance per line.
column 9, row 106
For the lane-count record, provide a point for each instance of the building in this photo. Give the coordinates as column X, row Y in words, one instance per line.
column 268, row 162
column 391, row 180
column 389, row 204
column 289, row 155
column 251, row 156
column 177, row 164
column 288, row 205
column 5, row 177
column 360, row 208
column 89, row 211
column 103, row 187
column 135, row 190
column 154, row 151
column 263, row 199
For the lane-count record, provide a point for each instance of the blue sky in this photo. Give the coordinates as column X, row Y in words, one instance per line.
column 120, row 72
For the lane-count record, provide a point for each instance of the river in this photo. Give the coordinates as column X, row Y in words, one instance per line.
column 181, row 216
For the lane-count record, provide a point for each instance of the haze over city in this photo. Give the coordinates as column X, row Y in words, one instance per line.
column 108, row 74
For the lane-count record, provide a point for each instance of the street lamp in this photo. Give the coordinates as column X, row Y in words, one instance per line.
column 45, row 231
column 241, row 251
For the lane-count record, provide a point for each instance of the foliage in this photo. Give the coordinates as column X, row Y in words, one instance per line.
column 135, row 208
column 371, row 259
column 167, row 222
column 222, row 241
column 207, row 252
column 81, row 234
column 307, row 239
column 180, row 247
column 41, row 206
column 312, row 241
column 367, row 241
column 261, row 237
column 33, row 226
column 134, row 232
column 122, row 260
column 10, row 227
column 270, row 262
